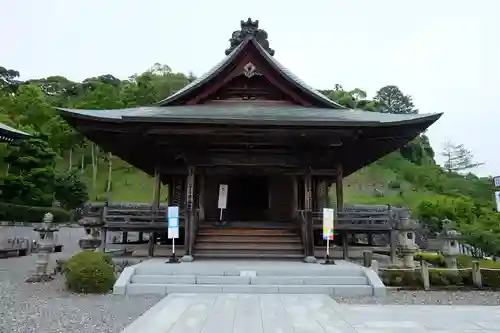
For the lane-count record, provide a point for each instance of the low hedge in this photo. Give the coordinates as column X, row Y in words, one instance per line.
column 89, row 272
column 438, row 277
column 18, row 213
column 463, row 261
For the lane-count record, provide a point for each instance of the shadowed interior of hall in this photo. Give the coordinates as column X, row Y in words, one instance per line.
column 248, row 198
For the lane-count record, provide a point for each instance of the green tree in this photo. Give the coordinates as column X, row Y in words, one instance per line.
column 458, row 158
column 392, row 100
column 31, row 175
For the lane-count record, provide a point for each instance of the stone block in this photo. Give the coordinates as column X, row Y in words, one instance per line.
column 194, row 288
column 277, row 280
column 250, row 289
column 223, row 280
column 352, row 291
column 146, row 289
column 164, row 279
column 303, row 289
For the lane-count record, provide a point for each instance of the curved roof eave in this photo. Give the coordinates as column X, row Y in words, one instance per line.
column 8, row 131
column 187, row 114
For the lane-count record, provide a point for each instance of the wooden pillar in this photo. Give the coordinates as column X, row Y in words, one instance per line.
column 201, row 199
column 393, row 235
column 339, row 188
column 295, row 198
column 154, row 209
column 321, row 194
column 188, row 229
column 308, row 205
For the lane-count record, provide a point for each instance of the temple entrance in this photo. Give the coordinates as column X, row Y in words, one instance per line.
column 248, row 198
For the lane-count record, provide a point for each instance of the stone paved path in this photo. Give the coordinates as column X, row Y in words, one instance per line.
column 242, row 313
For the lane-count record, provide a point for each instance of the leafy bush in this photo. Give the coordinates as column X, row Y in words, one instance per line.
column 70, row 190
column 490, row 278
column 89, row 272
column 396, row 277
column 19, row 213
column 446, row 277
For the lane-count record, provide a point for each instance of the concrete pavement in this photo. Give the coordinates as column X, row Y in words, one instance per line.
column 273, row 313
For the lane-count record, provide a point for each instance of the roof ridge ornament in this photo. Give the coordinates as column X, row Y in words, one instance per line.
column 249, row 29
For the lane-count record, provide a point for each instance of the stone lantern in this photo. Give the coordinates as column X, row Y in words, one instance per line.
column 92, row 226
column 46, row 245
column 450, row 246
column 406, row 237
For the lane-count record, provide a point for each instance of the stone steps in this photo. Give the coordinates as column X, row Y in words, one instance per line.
column 248, row 277
column 252, row 280
column 163, row 289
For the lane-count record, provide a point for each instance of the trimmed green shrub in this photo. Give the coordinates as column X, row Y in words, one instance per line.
column 18, row 213
column 397, row 277
column 89, row 272
column 491, row 278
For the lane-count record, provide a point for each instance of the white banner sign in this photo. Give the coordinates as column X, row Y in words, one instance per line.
column 173, row 222
column 497, row 199
column 496, row 181
column 328, row 215
column 223, row 188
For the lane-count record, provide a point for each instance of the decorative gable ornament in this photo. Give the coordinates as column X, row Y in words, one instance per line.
column 250, row 70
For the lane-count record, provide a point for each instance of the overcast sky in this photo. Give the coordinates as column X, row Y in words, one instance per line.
column 445, row 53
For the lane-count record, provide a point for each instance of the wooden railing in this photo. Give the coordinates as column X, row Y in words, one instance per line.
column 358, row 220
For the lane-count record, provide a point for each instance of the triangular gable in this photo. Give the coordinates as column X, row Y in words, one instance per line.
column 242, row 59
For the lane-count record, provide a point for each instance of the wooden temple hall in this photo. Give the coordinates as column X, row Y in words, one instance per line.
column 280, row 146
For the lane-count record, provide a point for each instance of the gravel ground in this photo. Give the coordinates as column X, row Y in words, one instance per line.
column 47, row 308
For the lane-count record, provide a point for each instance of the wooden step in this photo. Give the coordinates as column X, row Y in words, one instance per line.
column 246, row 256
column 246, row 232
column 247, row 239
column 235, row 246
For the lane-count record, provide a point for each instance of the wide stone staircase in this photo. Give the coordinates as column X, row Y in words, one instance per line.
column 155, row 277
column 240, row 240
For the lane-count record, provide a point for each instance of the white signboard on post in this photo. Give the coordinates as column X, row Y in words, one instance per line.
column 497, row 200
column 222, row 204
column 173, row 222
column 496, row 181
column 222, row 196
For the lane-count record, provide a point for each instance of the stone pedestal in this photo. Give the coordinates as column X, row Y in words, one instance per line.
column 46, row 245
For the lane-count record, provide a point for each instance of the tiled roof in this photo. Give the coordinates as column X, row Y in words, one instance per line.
column 250, row 113
column 8, row 133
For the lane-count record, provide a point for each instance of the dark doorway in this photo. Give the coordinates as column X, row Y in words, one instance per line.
column 248, row 198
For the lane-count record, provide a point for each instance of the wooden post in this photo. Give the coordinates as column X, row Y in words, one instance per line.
column 424, row 272
column 201, row 198
column 309, row 230
column 393, row 235
column 339, row 188
column 321, row 194
column 476, row 275
column 345, row 245
column 188, row 229
column 154, row 209
column 295, row 198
